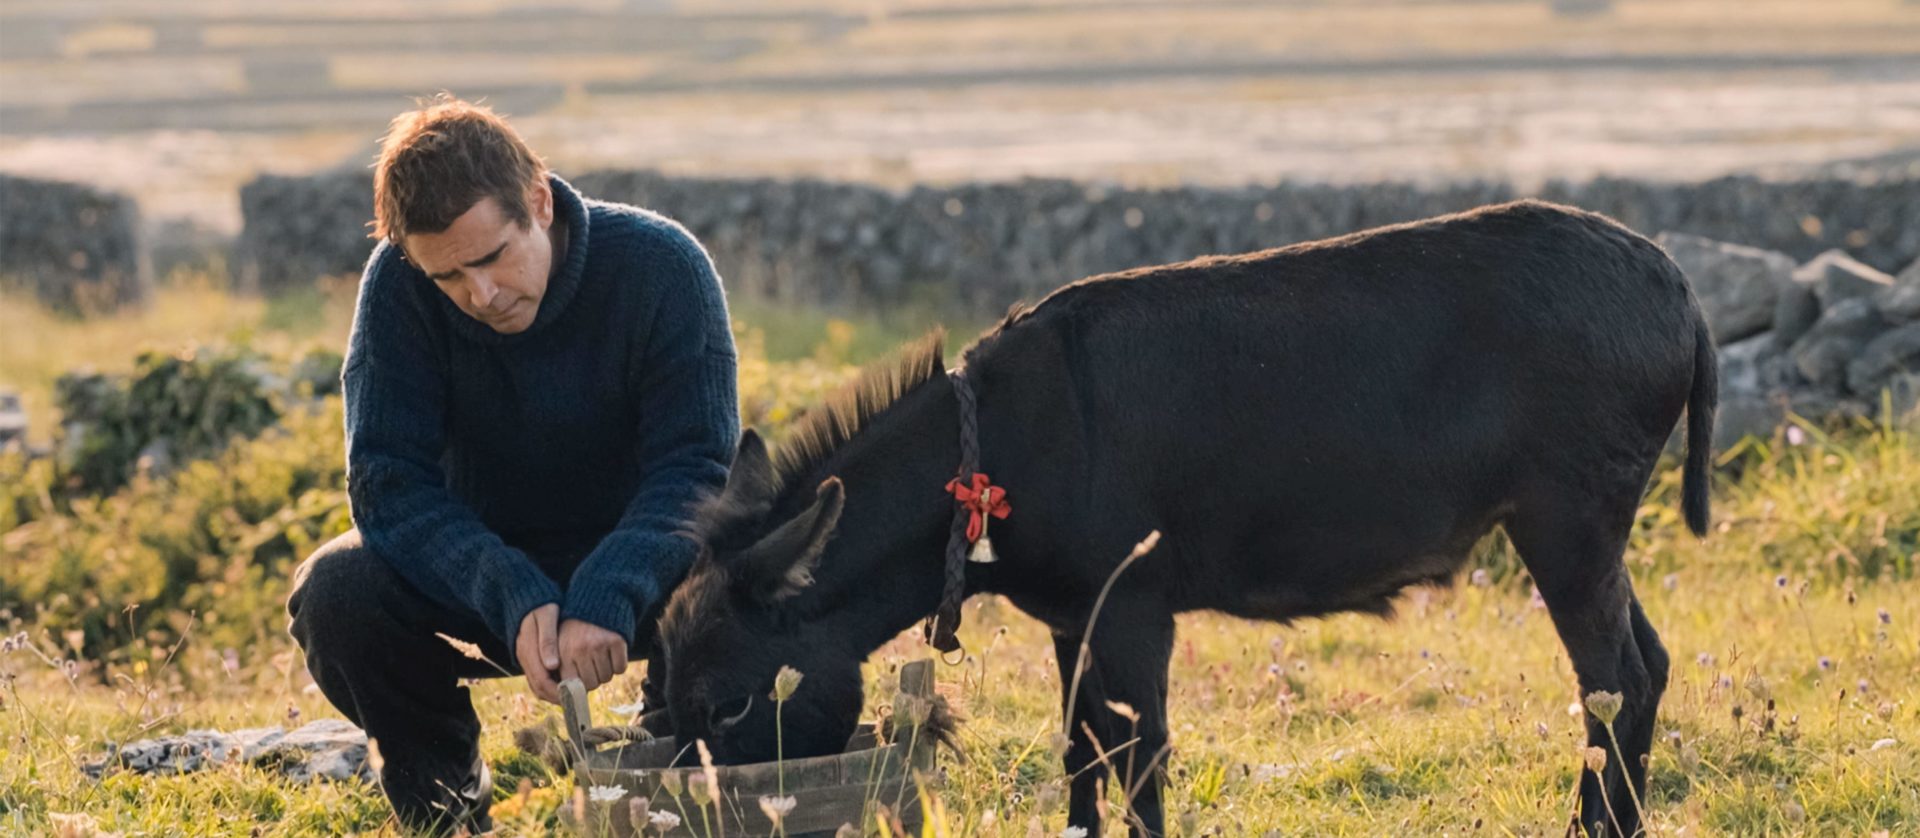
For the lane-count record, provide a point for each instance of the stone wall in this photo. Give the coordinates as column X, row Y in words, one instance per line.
column 298, row 229
column 977, row 248
column 1831, row 337
column 75, row 248
column 1805, row 308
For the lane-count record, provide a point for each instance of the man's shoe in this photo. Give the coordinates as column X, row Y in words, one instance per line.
column 476, row 799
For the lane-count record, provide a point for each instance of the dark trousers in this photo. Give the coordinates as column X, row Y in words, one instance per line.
column 372, row 646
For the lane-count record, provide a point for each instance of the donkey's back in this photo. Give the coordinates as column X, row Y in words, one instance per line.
column 1317, row 426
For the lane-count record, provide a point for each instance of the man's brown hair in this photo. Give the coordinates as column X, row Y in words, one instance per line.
column 443, row 157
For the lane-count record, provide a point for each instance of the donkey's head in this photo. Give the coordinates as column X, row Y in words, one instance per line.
column 731, row 626
column 750, row 606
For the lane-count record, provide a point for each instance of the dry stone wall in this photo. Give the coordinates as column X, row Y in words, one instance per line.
column 978, row 247
column 73, row 247
column 1812, row 287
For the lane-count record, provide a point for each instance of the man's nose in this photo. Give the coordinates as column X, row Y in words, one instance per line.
column 481, row 291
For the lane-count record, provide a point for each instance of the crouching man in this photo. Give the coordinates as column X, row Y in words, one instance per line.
column 537, row 384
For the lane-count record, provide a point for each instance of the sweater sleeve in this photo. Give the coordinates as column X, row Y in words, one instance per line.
column 688, row 409
column 395, row 390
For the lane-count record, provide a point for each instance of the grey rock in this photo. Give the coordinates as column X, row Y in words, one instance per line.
column 1894, row 351
column 1843, row 331
column 1761, row 416
column 1795, row 312
column 329, row 749
column 1740, row 366
column 1835, row 276
column 1901, row 302
column 1903, row 395
column 1738, row 286
column 1742, row 416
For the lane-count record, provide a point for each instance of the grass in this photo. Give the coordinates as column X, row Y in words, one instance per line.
column 37, row 345
column 1794, row 705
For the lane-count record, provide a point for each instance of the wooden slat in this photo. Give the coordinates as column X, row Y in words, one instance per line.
column 828, row 790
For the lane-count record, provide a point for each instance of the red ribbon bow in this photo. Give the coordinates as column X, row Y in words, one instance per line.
column 981, row 499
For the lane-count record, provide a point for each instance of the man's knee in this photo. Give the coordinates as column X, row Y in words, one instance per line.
column 334, row 591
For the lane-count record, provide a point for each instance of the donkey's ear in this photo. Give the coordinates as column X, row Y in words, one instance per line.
column 781, row 565
column 750, row 458
column 751, row 483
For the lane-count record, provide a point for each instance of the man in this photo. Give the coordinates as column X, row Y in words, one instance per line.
column 536, row 386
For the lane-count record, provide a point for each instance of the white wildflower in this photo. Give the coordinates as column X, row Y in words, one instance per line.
column 605, row 794
column 777, row 808
column 663, row 820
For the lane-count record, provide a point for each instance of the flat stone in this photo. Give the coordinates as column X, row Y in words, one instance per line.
column 1738, row 286
column 1740, row 366
column 1835, row 276
column 1794, row 313
column 1893, row 351
column 1901, row 302
column 1840, row 335
column 327, row 749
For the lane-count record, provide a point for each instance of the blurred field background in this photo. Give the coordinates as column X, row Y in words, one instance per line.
column 180, row 102
column 150, row 602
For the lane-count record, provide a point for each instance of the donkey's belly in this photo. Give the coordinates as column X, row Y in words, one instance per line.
column 1288, row 561
column 1372, row 593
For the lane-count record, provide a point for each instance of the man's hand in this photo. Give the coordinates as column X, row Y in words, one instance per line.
column 537, row 648
column 550, row 654
column 590, row 653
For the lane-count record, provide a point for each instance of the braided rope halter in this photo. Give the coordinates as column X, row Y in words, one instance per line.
column 976, row 500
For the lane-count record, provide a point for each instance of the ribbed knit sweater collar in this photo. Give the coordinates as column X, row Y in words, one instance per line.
column 562, row 286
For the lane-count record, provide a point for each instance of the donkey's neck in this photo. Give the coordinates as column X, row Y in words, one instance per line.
column 884, row 569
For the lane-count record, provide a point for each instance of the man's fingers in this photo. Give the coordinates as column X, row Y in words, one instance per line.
column 539, row 679
column 547, row 618
column 590, row 653
column 542, row 684
column 599, row 668
column 534, row 651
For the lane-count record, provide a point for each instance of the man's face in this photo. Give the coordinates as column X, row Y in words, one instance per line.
column 493, row 269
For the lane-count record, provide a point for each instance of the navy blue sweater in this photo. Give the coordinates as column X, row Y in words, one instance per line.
column 589, row 432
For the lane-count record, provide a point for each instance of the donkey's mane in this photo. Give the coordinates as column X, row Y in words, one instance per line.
column 819, row 432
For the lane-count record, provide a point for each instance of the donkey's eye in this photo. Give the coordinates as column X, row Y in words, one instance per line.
column 728, row 713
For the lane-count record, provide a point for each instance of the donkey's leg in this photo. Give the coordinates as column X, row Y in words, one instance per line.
column 1573, row 549
column 1654, row 654
column 1126, row 669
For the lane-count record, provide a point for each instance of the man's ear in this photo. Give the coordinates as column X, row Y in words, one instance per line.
column 781, row 565
column 540, row 202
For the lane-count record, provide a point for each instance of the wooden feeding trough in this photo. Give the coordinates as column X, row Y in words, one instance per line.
column 828, row 791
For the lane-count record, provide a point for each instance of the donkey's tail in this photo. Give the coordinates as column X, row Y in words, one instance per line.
column 1696, row 477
